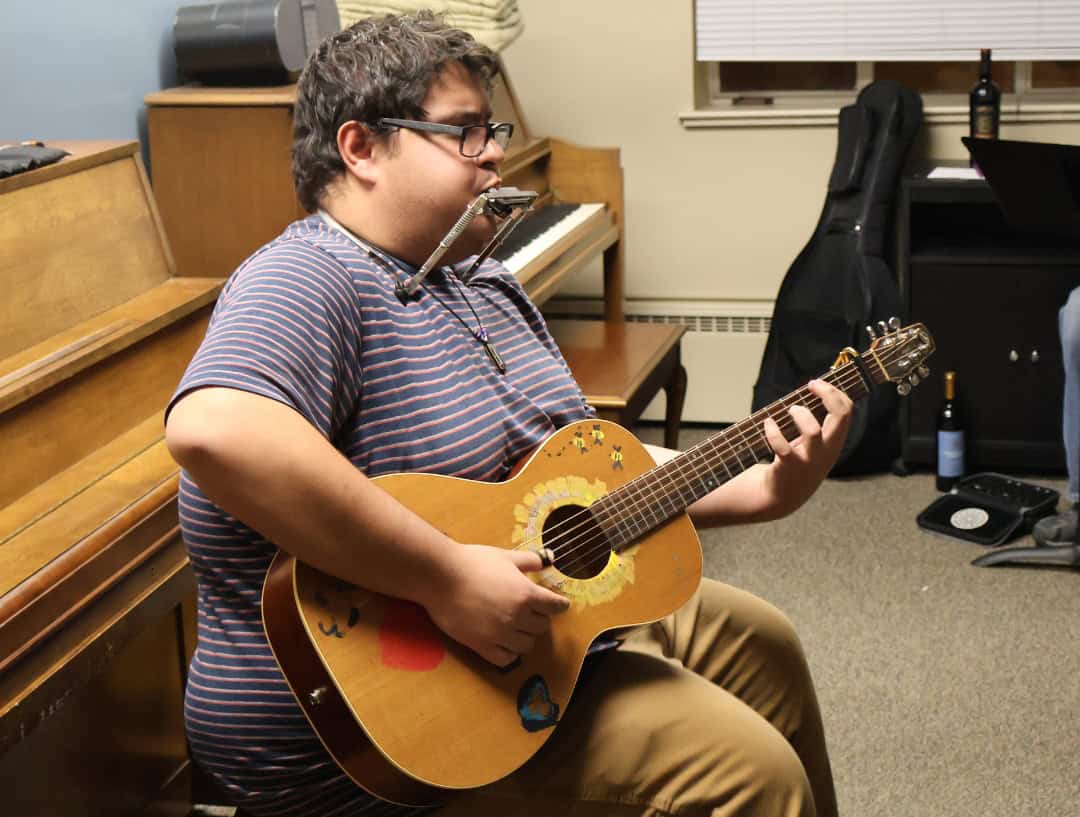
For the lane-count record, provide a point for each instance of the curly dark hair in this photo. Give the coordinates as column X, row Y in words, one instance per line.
column 379, row 66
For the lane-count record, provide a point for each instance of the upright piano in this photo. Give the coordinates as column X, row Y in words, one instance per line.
column 96, row 594
column 221, row 158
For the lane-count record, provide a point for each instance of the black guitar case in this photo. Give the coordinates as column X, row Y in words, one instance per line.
column 840, row 282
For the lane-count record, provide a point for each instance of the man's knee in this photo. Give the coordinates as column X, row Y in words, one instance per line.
column 773, row 632
column 771, row 778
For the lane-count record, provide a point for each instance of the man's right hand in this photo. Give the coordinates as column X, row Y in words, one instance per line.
column 491, row 606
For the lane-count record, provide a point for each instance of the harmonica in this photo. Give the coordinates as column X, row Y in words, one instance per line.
column 507, row 203
column 502, row 201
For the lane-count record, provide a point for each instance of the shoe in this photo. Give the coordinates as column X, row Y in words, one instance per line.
column 1059, row 529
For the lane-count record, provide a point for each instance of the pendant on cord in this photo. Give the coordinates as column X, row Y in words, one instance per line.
column 485, row 341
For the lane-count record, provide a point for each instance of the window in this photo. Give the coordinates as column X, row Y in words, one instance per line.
column 770, row 57
column 765, row 78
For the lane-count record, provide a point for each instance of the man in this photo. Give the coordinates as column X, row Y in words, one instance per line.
column 315, row 376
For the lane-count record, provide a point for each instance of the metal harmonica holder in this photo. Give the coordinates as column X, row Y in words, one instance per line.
column 506, row 203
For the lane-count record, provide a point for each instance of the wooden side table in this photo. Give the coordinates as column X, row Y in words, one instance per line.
column 622, row 365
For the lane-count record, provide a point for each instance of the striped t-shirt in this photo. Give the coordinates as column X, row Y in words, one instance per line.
column 312, row 320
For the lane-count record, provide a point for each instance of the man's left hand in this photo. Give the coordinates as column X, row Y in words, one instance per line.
column 800, row 465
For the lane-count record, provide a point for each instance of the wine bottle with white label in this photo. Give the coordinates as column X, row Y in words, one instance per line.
column 950, row 438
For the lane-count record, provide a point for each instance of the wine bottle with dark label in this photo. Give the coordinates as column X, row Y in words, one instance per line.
column 950, row 438
column 984, row 102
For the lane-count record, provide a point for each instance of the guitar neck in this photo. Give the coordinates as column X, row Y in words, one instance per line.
column 651, row 499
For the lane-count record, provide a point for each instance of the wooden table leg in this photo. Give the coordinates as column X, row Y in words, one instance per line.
column 675, row 396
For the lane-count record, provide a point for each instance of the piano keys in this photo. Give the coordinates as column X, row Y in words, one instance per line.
column 546, row 234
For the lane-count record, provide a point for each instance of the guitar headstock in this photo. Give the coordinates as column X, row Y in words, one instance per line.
column 899, row 352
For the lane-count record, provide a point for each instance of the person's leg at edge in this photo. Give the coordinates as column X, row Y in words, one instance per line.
column 1061, row 529
column 1069, row 327
column 707, row 713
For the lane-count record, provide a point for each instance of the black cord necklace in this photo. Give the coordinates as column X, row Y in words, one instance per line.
column 480, row 333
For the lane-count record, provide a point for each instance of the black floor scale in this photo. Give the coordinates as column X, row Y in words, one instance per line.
column 993, row 509
column 989, row 509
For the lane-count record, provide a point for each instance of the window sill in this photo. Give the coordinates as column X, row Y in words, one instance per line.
column 802, row 113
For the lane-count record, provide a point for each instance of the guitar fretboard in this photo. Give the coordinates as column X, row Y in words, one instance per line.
column 651, row 499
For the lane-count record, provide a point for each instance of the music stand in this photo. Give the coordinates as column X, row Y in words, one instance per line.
column 1037, row 186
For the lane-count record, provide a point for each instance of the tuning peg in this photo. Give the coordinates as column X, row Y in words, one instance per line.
column 883, row 327
column 913, row 378
column 903, row 388
column 894, row 323
column 870, row 331
column 924, row 372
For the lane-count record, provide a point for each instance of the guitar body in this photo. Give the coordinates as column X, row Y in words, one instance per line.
column 407, row 712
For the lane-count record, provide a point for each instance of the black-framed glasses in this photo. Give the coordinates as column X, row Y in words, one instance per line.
column 472, row 139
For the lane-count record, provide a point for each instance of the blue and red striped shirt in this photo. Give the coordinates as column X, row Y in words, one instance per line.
column 311, row 320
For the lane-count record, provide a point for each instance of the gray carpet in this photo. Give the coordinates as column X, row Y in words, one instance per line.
column 947, row 690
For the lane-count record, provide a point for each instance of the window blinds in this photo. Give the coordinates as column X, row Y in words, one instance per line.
column 884, row 30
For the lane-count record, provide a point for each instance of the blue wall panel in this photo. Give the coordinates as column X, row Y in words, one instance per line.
column 75, row 69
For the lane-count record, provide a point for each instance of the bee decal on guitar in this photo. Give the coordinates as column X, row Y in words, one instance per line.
column 616, row 458
column 579, row 442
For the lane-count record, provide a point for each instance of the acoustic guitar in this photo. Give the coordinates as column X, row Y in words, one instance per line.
column 412, row 715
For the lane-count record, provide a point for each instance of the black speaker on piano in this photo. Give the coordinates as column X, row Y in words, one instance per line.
column 250, row 42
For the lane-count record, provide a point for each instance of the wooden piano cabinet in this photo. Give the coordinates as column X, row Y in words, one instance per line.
column 220, row 161
column 92, row 722
column 96, row 593
column 221, row 170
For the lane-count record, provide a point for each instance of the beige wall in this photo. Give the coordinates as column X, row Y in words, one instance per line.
column 711, row 214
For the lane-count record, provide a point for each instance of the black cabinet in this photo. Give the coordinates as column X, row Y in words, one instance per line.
column 989, row 295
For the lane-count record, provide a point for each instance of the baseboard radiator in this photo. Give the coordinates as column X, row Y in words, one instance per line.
column 721, row 350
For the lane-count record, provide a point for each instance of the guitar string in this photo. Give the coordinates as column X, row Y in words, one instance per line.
column 584, row 517
column 574, row 557
column 726, row 444
column 751, row 430
column 644, row 497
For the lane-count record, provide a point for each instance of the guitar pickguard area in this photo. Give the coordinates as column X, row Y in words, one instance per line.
column 530, row 516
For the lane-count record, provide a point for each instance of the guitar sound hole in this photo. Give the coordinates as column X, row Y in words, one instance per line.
column 580, row 547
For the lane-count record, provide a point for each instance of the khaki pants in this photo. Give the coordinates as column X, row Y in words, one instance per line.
column 709, row 712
